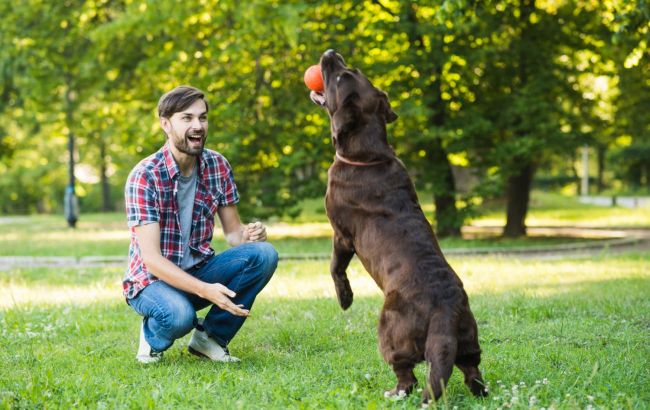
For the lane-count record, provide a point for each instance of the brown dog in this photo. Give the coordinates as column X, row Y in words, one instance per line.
column 373, row 208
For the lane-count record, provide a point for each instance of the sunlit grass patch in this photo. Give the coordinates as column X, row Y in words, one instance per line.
column 552, row 209
column 488, row 275
column 311, row 279
column 108, row 235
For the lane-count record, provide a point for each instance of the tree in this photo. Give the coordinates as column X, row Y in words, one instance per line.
column 632, row 59
column 530, row 91
column 52, row 72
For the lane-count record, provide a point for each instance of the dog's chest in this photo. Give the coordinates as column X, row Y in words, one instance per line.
column 363, row 200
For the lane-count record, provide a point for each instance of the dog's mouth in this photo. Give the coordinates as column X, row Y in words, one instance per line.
column 331, row 64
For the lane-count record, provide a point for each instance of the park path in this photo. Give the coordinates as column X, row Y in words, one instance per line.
column 609, row 241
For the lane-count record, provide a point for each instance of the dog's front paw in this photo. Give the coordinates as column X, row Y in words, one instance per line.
column 318, row 98
column 344, row 294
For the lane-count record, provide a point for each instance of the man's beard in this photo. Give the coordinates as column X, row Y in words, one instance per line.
column 184, row 145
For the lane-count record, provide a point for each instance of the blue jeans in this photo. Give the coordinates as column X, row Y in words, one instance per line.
column 170, row 313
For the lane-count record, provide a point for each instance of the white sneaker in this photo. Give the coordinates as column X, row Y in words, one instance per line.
column 145, row 353
column 203, row 346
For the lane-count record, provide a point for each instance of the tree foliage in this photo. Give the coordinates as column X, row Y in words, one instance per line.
column 499, row 89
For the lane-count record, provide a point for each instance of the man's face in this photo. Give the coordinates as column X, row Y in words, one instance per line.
column 188, row 129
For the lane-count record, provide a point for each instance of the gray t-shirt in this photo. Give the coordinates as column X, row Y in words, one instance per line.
column 185, row 195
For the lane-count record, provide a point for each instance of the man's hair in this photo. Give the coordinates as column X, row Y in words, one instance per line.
column 179, row 99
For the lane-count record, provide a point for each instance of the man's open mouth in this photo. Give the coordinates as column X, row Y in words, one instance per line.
column 195, row 138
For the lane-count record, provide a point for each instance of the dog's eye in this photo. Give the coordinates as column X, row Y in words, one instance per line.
column 344, row 75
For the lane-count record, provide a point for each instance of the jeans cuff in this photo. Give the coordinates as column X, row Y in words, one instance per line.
column 217, row 339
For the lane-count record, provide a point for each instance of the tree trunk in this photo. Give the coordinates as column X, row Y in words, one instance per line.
column 71, row 204
column 518, row 197
column 107, row 206
column 447, row 220
column 574, row 172
column 519, row 182
column 600, row 184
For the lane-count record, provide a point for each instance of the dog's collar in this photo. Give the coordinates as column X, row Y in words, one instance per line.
column 356, row 163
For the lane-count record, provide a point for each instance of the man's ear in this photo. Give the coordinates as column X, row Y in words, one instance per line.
column 385, row 109
column 165, row 124
column 346, row 117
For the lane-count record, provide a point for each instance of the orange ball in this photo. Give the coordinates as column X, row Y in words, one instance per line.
column 314, row 78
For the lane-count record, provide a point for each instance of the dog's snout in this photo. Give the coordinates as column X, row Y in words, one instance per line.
column 331, row 61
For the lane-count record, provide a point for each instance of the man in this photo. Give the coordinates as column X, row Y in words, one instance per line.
column 172, row 197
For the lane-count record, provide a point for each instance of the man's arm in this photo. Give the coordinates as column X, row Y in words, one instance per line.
column 237, row 233
column 149, row 242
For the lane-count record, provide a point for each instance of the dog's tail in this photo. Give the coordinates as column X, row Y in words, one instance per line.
column 440, row 351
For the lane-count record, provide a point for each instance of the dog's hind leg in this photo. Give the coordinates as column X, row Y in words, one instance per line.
column 440, row 353
column 397, row 347
column 406, row 380
column 468, row 364
column 469, row 354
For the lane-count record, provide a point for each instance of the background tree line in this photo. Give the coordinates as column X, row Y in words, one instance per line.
column 505, row 91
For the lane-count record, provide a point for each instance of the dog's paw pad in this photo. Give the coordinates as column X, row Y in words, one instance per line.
column 395, row 395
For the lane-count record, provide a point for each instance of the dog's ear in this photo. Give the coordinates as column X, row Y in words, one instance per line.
column 346, row 117
column 385, row 109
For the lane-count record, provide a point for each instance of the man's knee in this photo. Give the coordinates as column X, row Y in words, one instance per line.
column 270, row 254
column 181, row 319
column 267, row 257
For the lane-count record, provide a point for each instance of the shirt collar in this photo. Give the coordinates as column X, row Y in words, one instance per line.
column 172, row 166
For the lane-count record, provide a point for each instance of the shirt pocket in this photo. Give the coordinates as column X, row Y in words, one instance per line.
column 203, row 231
column 209, row 206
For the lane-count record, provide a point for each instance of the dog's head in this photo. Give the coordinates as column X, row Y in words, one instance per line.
column 349, row 97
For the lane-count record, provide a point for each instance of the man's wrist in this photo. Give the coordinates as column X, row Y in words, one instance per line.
column 235, row 238
column 201, row 289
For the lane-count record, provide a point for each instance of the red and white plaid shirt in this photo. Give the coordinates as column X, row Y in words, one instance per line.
column 151, row 196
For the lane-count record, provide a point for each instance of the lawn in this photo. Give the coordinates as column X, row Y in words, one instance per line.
column 553, row 209
column 563, row 334
column 106, row 234
column 569, row 333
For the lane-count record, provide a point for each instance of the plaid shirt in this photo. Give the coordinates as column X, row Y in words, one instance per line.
column 150, row 196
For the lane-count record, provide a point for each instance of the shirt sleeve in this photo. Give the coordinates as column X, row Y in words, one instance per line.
column 228, row 188
column 141, row 200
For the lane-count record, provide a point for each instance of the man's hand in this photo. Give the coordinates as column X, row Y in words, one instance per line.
column 236, row 232
column 149, row 240
column 254, row 232
column 220, row 296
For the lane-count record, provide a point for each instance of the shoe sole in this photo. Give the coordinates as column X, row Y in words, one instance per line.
column 197, row 353
column 203, row 356
column 147, row 360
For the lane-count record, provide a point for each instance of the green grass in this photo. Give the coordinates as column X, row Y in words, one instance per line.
column 48, row 236
column 107, row 234
column 546, row 209
column 564, row 334
column 552, row 209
